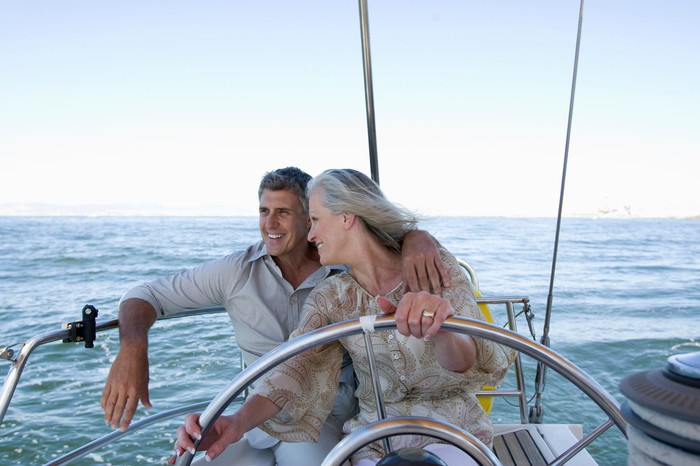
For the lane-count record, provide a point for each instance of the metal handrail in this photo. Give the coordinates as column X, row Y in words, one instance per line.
column 19, row 359
column 477, row 328
column 133, row 427
column 519, row 373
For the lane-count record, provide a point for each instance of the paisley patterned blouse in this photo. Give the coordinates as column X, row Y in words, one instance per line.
column 413, row 382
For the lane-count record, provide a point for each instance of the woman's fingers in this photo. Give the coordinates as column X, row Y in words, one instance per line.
column 422, row 314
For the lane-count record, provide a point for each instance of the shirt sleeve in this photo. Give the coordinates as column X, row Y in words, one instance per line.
column 193, row 288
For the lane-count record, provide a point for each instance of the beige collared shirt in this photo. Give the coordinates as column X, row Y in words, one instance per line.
column 412, row 381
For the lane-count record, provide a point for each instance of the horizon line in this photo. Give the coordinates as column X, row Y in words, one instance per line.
column 130, row 210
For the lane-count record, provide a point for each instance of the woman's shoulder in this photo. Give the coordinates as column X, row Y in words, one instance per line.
column 338, row 297
column 333, row 284
column 339, row 278
column 450, row 260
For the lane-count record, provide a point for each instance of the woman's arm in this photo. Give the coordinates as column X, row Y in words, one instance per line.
column 421, row 315
column 455, row 352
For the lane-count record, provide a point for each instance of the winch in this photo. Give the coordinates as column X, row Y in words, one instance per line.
column 663, row 411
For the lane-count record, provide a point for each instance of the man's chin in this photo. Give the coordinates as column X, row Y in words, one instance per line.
column 274, row 248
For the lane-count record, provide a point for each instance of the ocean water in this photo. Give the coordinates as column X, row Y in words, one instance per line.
column 626, row 296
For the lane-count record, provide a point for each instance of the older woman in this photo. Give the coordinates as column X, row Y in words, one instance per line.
column 424, row 371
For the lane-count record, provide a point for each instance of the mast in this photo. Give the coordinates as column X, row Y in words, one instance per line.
column 369, row 92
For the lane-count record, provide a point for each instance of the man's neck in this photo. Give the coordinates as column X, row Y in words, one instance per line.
column 298, row 267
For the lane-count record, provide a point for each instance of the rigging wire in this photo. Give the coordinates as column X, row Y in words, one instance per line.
column 536, row 411
column 563, row 178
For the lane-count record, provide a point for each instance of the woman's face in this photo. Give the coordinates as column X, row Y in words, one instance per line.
column 327, row 230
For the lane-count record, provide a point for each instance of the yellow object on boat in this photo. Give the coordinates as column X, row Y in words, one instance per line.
column 485, row 401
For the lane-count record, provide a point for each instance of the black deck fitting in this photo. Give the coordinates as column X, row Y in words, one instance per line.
column 83, row 330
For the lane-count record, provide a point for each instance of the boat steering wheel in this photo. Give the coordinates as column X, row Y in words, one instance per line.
column 423, row 426
column 402, row 425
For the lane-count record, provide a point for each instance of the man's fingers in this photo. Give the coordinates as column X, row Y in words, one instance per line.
column 128, row 415
column 113, row 409
column 105, row 397
column 109, row 412
column 145, row 400
column 439, row 277
column 417, row 276
column 107, row 405
column 117, row 409
column 424, row 279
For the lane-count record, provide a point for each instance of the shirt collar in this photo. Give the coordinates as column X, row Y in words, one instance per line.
column 261, row 252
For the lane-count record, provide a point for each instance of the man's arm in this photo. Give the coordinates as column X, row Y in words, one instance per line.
column 127, row 382
column 422, row 267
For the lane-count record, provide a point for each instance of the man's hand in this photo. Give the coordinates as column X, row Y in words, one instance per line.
column 421, row 265
column 127, row 383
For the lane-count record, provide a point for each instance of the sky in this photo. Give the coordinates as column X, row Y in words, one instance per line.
column 180, row 107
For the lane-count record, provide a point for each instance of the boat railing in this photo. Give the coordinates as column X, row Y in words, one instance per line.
column 18, row 354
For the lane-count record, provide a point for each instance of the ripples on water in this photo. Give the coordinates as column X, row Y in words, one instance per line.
column 625, row 298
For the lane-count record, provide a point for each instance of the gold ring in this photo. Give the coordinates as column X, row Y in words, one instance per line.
column 428, row 314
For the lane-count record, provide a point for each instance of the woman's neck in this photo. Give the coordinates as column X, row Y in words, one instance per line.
column 378, row 275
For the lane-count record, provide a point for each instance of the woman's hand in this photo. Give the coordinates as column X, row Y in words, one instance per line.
column 418, row 314
column 221, row 434
column 225, row 430
column 421, row 315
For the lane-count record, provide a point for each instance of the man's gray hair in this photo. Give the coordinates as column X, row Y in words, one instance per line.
column 289, row 179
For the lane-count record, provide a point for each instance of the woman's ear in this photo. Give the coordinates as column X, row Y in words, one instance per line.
column 348, row 220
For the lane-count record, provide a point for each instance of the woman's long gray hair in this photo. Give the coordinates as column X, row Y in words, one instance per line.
column 350, row 191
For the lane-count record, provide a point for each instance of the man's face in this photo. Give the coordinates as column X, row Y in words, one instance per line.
column 283, row 223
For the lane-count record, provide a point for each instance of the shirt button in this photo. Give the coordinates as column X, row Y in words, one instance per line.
column 403, row 377
column 391, row 336
column 396, row 356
